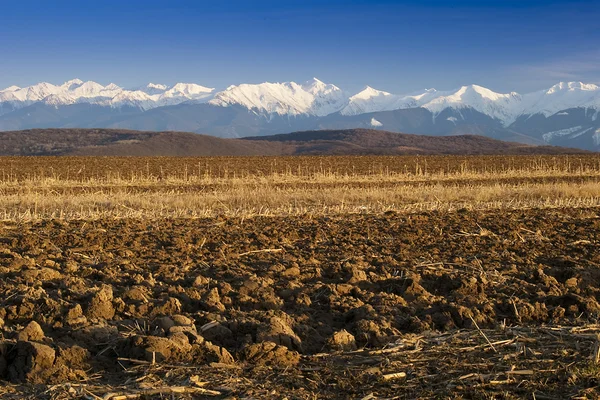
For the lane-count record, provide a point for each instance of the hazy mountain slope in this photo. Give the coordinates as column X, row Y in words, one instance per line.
column 578, row 127
column 368, row 141
column 352, row 141
column 228, row 122
column 40, row 115
column 182, row 144
column 128, row 143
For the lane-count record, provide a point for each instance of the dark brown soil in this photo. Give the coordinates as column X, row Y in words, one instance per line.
column 467, row 305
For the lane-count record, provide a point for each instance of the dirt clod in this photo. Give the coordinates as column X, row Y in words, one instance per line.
column 270, row 353
column 101, row 306
column 165, row 323
column 211, row 353
column 32, row 332
column 75, row 316
column 278, row 331
column 342, row 340
column 31, row 362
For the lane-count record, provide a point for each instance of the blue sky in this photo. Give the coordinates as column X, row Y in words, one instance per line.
column 399, row 46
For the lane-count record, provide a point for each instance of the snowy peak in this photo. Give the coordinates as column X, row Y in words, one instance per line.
column 189, row 89
column 311, row 98
column 479, row 92
column 152, row 88
column 562, row 96
column 328, row 98
column 156, row 86
column 314, row 85
column 318, row 98
column 87, row 89
column 112, row 86
column 504, row 107
column 72, row 84
column 571, row 86
column 78, row 91
column 374, row 100
column 183, row 92
column 269, row 98
column 10, row 89
column 287, row 98
column 163, row 95
column 59, row 99
column 368, row 92
column 497, row 105
column 317, row 87
column 370, row 100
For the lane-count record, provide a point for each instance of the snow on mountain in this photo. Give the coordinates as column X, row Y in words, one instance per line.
column 135, row 98
column 371, row 100
column 112, row 86
column 10, row 89
column 91, row 90
column 418, row 99
column 375, row 123
column 72, row 84
column 562, row 96
column 152, row 88
column 8, row 96
column 182, row 92
column 314, row 98
column 78, row 91
column 328, row 98
column 59, row 99
column 288, row 98
column 188, row 89
column 34, row 93
column 505, row 107
column 548, row 136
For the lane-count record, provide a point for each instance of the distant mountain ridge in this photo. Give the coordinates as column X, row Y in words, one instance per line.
column 76, row 91
column 566, row 114
column 115, row 142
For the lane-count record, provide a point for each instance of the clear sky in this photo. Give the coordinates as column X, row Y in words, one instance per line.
column 399, row 46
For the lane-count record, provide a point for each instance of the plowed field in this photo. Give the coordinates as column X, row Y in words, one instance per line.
column 451, row 301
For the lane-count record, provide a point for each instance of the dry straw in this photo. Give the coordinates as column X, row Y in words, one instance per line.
column 287, row 191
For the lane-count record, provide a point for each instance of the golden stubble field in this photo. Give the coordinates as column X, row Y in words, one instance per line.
column 160, row 187
column 300, row 278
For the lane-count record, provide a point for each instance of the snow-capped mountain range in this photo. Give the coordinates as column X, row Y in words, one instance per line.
column 567, row 110
column 312, row 98
column 503, row 107
column 77, row 91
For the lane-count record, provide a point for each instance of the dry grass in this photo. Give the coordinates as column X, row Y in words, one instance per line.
column 250, row 200
column 303, row 191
